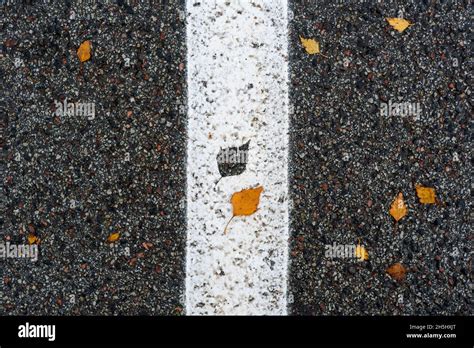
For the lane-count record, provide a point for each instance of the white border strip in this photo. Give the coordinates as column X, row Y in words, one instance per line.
column 237, row 91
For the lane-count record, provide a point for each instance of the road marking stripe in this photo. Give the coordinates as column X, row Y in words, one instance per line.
column 237, row 91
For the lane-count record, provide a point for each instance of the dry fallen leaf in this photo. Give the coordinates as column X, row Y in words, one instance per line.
column 245, row 203
column 310, row 45
column 84, row 51
column 399, row 24
column 147, row 245
column 397, row 271
column 232, row 160
column 361, row 253
column 426, row 194
column 113, row 237
column 398, row 209
column 32, row 239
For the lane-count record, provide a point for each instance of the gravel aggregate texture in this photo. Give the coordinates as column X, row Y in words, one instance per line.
column 348, row 162
column 72, row 181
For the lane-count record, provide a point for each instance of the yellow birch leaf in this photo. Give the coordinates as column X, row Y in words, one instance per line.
column 32, row 239
column 361, row 253
column 397, row 271
column 113, row 237
column 84, row 51
column 398, row 209
column 426, row 194
column 310, row 45
column 245, row 203
column 399, row 24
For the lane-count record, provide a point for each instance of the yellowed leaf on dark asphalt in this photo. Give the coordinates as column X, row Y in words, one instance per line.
column 113, row 237
column 245, row 203
column 32, row 239
column 361, row 253
column 399, row 24
column 427, row 195
column 397, row 271
column 310, row 45
column 398, row 209
column 84, row 51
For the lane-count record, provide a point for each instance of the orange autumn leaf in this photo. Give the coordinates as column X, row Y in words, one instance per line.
column 310, row 45
column 398, row 209
column 361, row 253
column 399, row 24
column 113, row 237
column 426, row 194
column 397, row 271
column 32, row 239
column 245, row 203
column 84, row 51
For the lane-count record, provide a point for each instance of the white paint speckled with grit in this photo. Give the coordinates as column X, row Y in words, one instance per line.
column 237, row 91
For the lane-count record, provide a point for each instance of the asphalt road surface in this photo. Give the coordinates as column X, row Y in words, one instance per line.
column 127, row 206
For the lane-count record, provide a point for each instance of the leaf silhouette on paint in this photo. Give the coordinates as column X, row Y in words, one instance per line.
column 399, row 24
column 397, row 271
column 310, row 45
column 244, row 203
column 427, row 195
column 84, row 51
column 232, row 160
column 398, row 209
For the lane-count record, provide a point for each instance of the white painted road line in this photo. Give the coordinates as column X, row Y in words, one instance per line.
column 237, row 91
